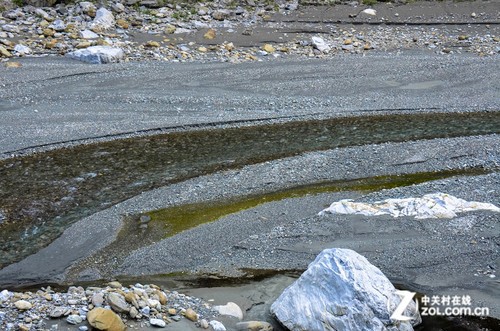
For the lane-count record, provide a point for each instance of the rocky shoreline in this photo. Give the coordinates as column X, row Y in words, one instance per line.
column 135, row 307
column 242, row 31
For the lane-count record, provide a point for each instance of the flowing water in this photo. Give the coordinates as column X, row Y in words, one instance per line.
column 42, row 194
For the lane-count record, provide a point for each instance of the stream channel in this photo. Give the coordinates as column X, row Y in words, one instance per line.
column 43, row 193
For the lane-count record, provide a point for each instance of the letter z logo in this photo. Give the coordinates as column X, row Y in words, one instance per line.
column 407, row 297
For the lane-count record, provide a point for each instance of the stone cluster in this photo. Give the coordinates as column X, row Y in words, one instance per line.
column 151, row 30
column 112, row 307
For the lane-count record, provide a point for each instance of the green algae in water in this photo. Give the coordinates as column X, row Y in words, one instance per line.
column 180, row 218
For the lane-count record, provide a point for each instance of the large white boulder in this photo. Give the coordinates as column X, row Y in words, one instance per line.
column 98, row 54
column 341, row 290
column 435, row 205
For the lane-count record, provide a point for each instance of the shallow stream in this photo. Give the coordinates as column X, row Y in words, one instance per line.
column 42, row 194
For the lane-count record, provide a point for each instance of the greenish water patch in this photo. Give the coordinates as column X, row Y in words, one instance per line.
column 180, row 218
column 43, row 194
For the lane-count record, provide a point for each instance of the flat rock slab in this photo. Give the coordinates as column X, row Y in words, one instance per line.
column 98, row 54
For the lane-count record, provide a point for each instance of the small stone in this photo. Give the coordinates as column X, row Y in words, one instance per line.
column 473, row 15
column 145, row 310
column 220, row 15
column 117, row 303
column 24, row 327
column 463, row 37
column 204, row 324
column 144, row 219
column 210, row 34
column 58, row 26
column 268, row 48
column 154, row 304
column 50, row 45
column 13, row 65
column 103, row 20
column 161, row 297
column 122, row 23
column 83, row 328
column 98, row 299
column 202, row 49
column 157, row 322
column 4, row 52
column 133, row 312
column 88, row 7
column 217, row 326
column 83, row 44
column 254, row 326
column 48, row 32
column 229, row 47
column 10, row 28
column 23, row 305
column 131, row 297
column 348, row 42
column 22, row 49
column 74, row 319
column 115, row 284
column 170, row 29
column 152, row 44
column 230, row 309
column 370, row 11
column 105, row 319
column 42, row 13
column 367, row 46
column 320, row 44
column 87, row 34
column 191, row 315
column 57, row 312
column 5, row 295
column 172, row 311
column 118, row 7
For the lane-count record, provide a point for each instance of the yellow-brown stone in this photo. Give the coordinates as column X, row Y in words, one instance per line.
column 105, row 320
column 268, row 48
column 210, row 34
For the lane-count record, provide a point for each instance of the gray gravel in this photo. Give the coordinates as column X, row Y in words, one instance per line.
column 56, row 101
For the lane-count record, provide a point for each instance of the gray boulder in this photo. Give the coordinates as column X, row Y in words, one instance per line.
column 104, row 20
column 98, row 54
column 341, row 290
